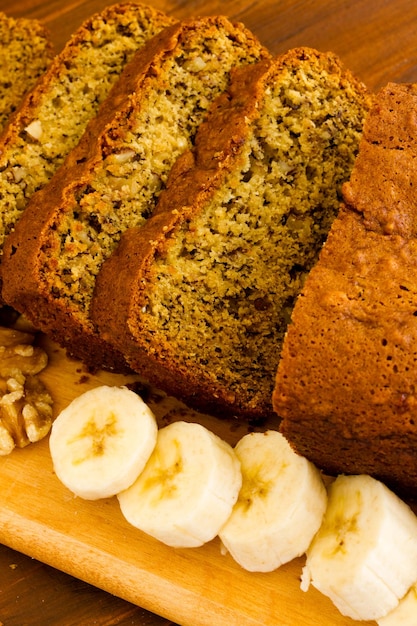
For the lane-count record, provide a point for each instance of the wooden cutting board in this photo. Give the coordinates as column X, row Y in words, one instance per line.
column 91, row 540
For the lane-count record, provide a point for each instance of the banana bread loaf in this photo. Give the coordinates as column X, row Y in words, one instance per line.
column 26, row 50
column 112, row 180
column 199, row 298
column 55, row 113
column 346, row 386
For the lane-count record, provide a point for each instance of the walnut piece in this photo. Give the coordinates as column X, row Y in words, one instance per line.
column 27, row 359
column 25, row 404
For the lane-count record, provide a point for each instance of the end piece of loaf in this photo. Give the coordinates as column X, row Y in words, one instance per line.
column 347, row 385
column 112, row 180
column 26, row 50
column 54, row 115
column 199, row 298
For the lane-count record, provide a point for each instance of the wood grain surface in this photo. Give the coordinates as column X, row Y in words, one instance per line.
column 93, row 542
column 73, row 543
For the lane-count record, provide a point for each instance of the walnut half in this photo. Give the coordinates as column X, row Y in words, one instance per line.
column 25, row 404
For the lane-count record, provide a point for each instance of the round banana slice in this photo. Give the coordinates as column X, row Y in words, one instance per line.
column 280, row 506
column 101, row 441
column 188, row 488
column 364, row 557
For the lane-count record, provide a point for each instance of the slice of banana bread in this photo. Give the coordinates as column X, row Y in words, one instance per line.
column 112, row 180
column 346, row 386
column 199, row 298
column 55, row 113
column 26, row 50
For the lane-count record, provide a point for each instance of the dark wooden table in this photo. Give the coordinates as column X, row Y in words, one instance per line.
column 34, row 594
column 377, row 40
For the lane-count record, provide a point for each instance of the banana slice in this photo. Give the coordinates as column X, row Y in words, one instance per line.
column 405, row 614
column 102, row 441
column 364, row 557
column 280, row 506
column 187, row 489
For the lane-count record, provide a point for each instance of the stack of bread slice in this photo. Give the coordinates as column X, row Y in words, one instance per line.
column 219, row 169
column 111, row 181
column 199, row 297
column 54, row 114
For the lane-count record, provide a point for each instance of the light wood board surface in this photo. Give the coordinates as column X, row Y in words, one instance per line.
column 91, row 540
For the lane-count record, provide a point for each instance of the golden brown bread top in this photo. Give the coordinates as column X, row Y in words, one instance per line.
column 347, row 377
column 390, row 143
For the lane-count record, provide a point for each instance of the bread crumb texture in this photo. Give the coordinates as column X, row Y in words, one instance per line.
column 222, row 295
column 58, row 110
column 25, row 53
column 140, row 148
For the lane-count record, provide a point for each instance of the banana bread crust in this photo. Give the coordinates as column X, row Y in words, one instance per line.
column 346, row 387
